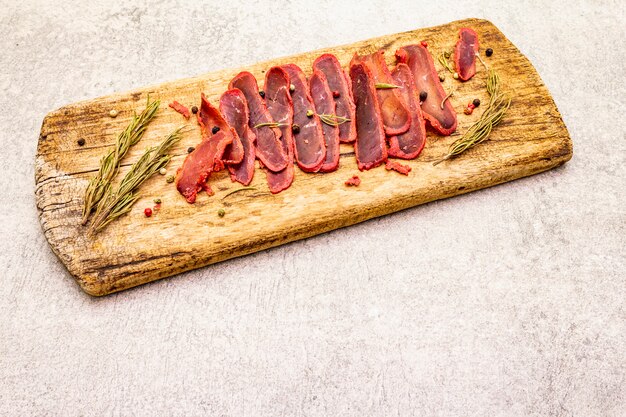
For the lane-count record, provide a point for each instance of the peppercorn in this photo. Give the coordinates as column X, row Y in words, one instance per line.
column 476, row 102
column 292, row 88
column 113, row 113
column 194, row 109
column 148, row 212
column 309, row 113
column 157, row 201
column 221, row 212
column 215, row 129
column 455, row 75
column 81, row 142
column 336, row 94
column 169, row 179
column 424, row 44
column 442, row 77
column 262, row 93
column 190, row 149
column 163, row 171
column 423, row 95
column 295, row 128
column 489, row 52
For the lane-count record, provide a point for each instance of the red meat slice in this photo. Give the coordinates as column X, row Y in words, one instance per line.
column 234, row 107
column 180, row 109
column 398, row 167
column 409, row 144
column 269, row 149
column 420, row 62
column 279, row 105
column 339, row 84
column 396, row 117
column 310, row 149
column 370, row 148
column 191, row 177
column 324, row 104
column 209, row 117
column 465, row 53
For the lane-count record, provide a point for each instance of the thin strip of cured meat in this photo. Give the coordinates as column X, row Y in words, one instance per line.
column 192, row 176
column 370, row 148
column 340, row 86
column 465, row 53
column 279, row 105
column 396, row 117
column 309, row 146
column 409, row 144
column 422, row 67
column 234, row 107
column 324, row 104
column 180, row 109
column 210, row 117
column 269, row 149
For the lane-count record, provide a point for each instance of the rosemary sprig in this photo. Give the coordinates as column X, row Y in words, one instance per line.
column 498, row 105
column 385, row 86
column 443, row 60
column 110, row 163
column 119, row 202
column 333, row 119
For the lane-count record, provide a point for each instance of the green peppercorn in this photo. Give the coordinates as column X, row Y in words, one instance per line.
column 423, row 95
column 476, row 102
column 309, row 113
column 169, row 179
column 489, row 52
column 221, row 212
column 157, row 201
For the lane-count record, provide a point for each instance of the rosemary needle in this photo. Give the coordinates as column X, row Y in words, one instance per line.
column 237, row 190
column 498, row 105
column 385, row 86
column 110, row 163
column 119, row 202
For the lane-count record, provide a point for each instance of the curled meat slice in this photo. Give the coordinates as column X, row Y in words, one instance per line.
column 310, row 149
column 324, row 104
column 234, row 107
column 269, row 150
column 279, row 105
column 370, row 148
column 465, row 53
column 180, row 109
column 420, row 62
column 396, row 117
column 340, row 86
column 191, row 177
column 409, row 144
column 210, row 117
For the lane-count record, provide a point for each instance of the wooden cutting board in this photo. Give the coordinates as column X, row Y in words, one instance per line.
column 135, row 249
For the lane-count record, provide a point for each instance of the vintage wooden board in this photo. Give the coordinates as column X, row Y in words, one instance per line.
column 136, row 250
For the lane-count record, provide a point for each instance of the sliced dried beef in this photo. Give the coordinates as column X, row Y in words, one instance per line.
column 465, row 53
column 325, row 104
column 234, row 107
column 210, row 117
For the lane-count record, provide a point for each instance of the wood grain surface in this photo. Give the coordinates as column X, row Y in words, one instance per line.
column 134, row 250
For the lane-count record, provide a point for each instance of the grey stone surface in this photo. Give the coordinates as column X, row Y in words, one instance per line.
column 503, row 302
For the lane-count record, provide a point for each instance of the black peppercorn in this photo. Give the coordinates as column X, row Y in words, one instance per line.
column 81, row 142
column 194, row 109
column 262, row 93
column 423, row 95
column 215, row 129
column 476, row 102
column 489, row 52
column 190, row 149
column 295, row 128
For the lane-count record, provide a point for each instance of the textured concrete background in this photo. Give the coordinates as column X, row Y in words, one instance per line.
column 503, row 302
